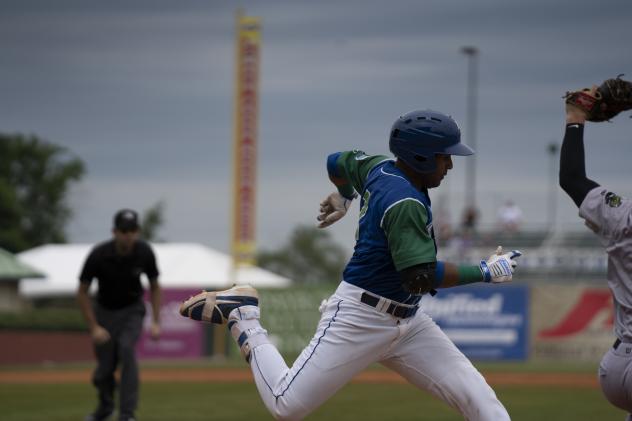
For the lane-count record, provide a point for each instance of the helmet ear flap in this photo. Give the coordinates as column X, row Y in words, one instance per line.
column 420, row 158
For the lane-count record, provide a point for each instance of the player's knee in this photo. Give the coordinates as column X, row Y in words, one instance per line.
column 486, row 407
column 468, row 391
column 282, row 415
column 286, row 411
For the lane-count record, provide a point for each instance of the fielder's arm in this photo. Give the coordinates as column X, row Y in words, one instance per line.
column 573, row 178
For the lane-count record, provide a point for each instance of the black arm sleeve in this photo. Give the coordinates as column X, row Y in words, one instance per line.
column 419, row 279
column 573, row 178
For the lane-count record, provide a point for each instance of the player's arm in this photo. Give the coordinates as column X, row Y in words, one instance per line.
column 411, row 246
column 573, row 178
column 348, row 172
column 426, row 277
column 414, row 254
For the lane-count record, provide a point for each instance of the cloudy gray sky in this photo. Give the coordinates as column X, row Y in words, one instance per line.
column 142, row 92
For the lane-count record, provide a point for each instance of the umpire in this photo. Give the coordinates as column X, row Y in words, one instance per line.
column 115, row 319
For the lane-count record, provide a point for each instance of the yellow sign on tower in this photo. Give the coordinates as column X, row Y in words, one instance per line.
column 246, row 115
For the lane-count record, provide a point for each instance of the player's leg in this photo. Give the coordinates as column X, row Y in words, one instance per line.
column 348, row 338
column 427, row 358
column 131, row 325
column 615, row 376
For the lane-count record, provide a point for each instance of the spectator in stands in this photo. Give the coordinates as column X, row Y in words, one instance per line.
column 442, row 225
column 470, row 220
column 115, row 319
column 509, row 217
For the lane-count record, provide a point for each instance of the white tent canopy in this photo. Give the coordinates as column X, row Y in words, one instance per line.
column 181, row 265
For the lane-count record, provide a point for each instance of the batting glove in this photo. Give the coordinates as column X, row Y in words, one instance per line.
column 499, row 267
column 333, row 208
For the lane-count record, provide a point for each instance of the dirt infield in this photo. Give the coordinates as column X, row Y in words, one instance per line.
column 223, row 375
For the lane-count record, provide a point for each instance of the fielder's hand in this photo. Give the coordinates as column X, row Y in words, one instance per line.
column 499, row 267
column 100, row 335
column 333, row 208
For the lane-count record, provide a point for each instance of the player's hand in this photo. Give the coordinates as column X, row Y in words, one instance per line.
column 575, row 114
column 499, row 267
column 332, row 208
column 155, row 331
column 100, row 335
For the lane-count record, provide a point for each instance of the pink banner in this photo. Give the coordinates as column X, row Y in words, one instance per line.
column 181, row 337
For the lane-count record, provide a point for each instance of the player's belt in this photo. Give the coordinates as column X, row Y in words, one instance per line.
column 388, row 306
column 616, row 343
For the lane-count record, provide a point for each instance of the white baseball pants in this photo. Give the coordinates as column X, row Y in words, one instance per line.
column 615, row 377
column 352, row 335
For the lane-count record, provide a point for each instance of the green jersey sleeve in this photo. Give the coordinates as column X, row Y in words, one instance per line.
column 409, row 241
column 348, row 170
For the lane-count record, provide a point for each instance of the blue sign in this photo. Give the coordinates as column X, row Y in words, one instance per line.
column 486, row 322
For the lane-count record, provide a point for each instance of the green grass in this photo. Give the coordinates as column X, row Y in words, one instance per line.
column 196, row 401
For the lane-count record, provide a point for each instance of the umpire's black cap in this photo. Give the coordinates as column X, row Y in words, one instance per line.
column 126, row 220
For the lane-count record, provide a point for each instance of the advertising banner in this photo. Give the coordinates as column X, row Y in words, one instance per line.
column 180, row 337
column 571, row 322
column 484, row 321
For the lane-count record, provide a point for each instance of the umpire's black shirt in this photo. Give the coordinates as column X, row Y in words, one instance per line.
column 118, row 275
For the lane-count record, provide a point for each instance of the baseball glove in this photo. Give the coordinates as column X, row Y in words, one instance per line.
column 606, row 101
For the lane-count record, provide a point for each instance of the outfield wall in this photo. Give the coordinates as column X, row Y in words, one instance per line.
column 517, row 321
column 487, row 322
column 571, row 322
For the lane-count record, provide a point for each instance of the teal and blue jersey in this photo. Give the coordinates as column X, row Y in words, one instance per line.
column 394, row 227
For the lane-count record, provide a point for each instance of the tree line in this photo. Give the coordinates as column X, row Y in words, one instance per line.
column 36, row 177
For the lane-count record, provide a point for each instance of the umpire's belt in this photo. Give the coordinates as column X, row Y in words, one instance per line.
column 384, row 305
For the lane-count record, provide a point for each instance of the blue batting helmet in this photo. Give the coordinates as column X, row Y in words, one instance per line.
column 416, row 137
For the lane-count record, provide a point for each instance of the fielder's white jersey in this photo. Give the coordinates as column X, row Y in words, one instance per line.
column 610, row 217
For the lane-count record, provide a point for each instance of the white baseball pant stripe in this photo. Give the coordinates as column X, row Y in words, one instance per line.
column 351, row 336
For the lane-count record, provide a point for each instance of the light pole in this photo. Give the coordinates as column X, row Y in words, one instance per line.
column 470, row 125
column 552, row 150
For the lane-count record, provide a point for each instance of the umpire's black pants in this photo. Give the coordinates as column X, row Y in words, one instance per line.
column 125, row 326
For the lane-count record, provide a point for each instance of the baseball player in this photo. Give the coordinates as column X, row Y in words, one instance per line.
column 610, row 217
column 374, row 314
